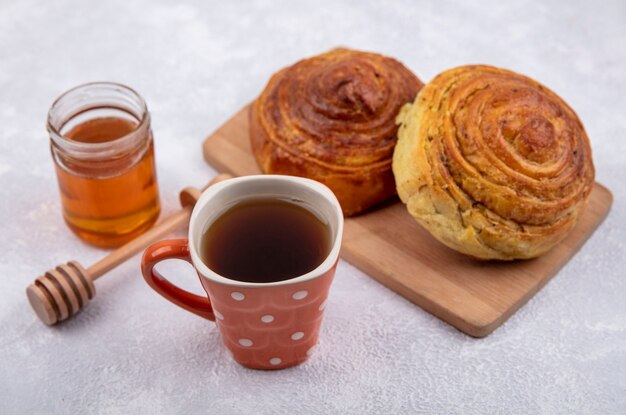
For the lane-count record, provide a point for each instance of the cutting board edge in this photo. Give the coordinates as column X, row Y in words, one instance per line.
column 475, row 327
column 478, row 327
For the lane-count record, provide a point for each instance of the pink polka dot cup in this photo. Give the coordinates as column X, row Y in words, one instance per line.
column 265, row 325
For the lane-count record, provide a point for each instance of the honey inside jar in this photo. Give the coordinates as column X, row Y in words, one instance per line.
column 104, row 161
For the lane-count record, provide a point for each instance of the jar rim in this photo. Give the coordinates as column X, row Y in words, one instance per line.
column 78, row 147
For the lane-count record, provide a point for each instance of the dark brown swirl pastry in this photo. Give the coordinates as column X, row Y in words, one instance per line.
column 492, row 163
column 332, row 118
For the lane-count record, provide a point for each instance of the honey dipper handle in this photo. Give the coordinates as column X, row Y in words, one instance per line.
column 160, row 230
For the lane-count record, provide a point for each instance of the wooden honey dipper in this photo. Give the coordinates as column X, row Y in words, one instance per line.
column 63, row 291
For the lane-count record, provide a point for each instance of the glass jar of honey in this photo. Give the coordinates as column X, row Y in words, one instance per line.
column 102, row 147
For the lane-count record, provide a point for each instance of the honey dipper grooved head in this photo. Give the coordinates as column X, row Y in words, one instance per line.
column 61, row 292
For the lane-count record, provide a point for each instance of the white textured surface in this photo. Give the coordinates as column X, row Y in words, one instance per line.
column 196, row 63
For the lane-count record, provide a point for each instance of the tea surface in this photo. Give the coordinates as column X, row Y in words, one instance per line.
column 265, row 240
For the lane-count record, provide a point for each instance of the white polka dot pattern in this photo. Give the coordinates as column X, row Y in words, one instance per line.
column 218, row 315
column 269, row 327
column 236, row 295
column 245, row 342
column 299, row 295
column 311, row 350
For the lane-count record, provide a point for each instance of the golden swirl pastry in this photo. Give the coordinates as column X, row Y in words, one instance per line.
column 492, row 163
column 332, row 118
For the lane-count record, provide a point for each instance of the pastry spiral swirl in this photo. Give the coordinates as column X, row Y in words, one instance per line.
column 332, row 118
column 492, row 163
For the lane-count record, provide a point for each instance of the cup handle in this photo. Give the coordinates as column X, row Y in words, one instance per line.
column 173, row 249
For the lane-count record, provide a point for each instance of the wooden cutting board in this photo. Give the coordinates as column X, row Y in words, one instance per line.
column 474, row 296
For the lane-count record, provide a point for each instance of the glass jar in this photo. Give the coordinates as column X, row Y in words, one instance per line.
column 102, row 147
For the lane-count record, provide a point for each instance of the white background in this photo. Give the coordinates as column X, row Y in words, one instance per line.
column 197, row 63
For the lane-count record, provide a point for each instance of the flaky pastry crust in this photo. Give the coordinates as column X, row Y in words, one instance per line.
column 331, row 118
column 492, row 163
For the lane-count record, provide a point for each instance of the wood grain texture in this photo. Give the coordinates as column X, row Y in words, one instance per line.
column 475, row 297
